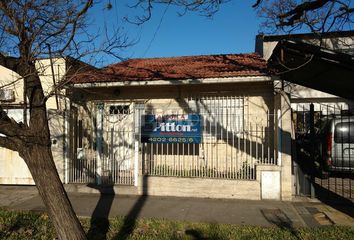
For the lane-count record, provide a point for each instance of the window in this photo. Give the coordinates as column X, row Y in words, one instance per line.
column 344, row 132
column 119, row 109
column 7, row 95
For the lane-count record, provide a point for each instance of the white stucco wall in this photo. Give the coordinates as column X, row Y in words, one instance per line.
column 13, row 169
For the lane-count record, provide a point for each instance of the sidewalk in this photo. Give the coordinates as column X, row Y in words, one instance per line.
column 241, row 212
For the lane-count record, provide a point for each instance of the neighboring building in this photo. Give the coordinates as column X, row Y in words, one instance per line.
column 340, row 41
column 302, row 95
column 317, row 74
column 13, row 169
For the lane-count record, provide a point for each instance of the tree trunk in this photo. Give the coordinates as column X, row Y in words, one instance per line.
column 40, row 162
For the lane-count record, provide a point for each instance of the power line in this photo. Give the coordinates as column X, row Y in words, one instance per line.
column 156, row 31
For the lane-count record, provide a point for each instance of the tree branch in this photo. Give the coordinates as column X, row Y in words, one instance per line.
column 257, row 3
column 299, row 11
column 74, row 24
column 10, row 12
column 5, row 142
column 9, row 126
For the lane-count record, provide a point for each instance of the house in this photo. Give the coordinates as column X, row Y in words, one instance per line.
column 52, row 72
column 197, row 126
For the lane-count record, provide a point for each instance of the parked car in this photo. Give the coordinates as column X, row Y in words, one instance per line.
column 336, row 144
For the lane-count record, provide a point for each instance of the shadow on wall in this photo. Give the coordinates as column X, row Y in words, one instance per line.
column 255, row 142
column 251, row 142
column 99, row 225
column 84, row 147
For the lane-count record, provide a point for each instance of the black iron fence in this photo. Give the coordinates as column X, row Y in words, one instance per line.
column 324, row 151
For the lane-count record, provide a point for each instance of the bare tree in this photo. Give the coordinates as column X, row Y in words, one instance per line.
column 317, row 16
column 33, row 29
column 205, row 7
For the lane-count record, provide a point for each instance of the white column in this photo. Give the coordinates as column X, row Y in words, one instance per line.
column 136, row 163
column 137, row 114
column 99, row 138
column 279, row 116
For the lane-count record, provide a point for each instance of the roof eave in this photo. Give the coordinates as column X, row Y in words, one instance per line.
column 262, row 78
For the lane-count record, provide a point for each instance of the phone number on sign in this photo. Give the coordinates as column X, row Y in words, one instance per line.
column 172, row 140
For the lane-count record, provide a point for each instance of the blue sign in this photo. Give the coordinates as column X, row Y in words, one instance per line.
column 175, row 128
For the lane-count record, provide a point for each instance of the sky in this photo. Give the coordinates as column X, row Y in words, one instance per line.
column 231, row 30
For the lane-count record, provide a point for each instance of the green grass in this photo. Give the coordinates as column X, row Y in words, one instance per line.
column 27, row 225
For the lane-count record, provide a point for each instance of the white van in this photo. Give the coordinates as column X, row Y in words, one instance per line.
column 336, row 144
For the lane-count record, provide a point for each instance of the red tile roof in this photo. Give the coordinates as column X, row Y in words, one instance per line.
column 175, row 68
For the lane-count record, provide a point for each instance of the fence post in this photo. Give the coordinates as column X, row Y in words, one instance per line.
column 279, row 136
column 312, row 147
column 138, row 110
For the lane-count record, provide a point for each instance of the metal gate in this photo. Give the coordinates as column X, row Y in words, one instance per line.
column 325, row 151
column 233, row 140
column 118, row 147
column 103, row 144
column 82, row 167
